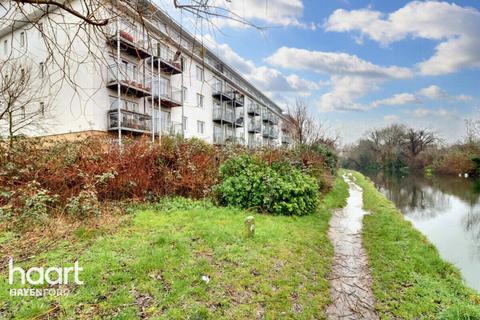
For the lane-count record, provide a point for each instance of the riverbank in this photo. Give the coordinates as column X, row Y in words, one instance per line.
column 191, row 263
column 410, row 280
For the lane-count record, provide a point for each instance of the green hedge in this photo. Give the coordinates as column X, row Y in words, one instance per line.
column 248, row 182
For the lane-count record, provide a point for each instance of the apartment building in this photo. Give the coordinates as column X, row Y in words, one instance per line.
column 149, row 77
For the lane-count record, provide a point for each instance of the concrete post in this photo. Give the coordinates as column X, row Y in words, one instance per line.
column 249, row 227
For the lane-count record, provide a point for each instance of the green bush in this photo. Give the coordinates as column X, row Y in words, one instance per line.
column 248, row 182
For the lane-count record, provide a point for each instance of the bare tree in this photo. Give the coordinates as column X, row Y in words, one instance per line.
column 23, row 108
column 417, row 141
column 472, row 128
column 303, row 128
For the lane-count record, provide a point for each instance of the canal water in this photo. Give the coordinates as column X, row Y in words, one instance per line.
column 446, row 210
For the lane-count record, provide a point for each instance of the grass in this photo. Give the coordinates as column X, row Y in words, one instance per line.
column 410, row 280
column 153, row 267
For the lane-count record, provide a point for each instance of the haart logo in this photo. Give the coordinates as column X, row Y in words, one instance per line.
column 54, row 276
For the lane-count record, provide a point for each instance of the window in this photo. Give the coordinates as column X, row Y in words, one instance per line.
column 200, row 127
column 5, row 47
column 165, row 88
column 24, row 112
column 42, row 69
column 217, row 85
column 22, row 39
column 199, row 100
column 42, row 108
column 184, row 93
column 200, row 73
column 184, row 123
column 134, row 73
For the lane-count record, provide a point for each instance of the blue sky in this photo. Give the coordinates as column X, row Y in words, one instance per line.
column 359, row 64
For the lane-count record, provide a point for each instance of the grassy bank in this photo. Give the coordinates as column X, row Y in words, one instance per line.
column 410, row 280
column 153, row 266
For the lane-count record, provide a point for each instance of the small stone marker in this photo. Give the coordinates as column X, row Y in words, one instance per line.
column 249, row 227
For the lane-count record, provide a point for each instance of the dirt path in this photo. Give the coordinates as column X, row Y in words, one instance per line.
column 350, row 283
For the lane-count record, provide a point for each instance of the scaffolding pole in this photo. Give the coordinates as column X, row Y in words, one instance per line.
column 153, row 98
column 119, row 90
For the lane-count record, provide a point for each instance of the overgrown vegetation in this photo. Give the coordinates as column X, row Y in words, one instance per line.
column 186, row 259
column 410, row 280
column 41, row 178
column 399, row 148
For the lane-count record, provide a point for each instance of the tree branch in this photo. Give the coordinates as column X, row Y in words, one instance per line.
column 67, row 9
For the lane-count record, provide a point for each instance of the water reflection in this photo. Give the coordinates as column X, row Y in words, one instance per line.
column 446, row 210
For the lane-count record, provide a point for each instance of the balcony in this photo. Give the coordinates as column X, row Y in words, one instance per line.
column 223, row 115
column 170, row 96
column 169, row 61
column 267, row 116
column 273, row 133
column 220, row 139
column 254, row 109
column 266, row 129
column 286, row 140
column 239, row 117
column 131, row 40
column 238, row 99
column 254, row 126
column 170, row 127
column 130, row 121
column 131, row 81
column 222, row 93
column 275, row 119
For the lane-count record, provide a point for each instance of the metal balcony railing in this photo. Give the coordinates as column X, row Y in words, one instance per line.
column 170, row 61
column 239, row 114
column 170, row 96
column 223, row 114
column 221, row 139
column 130, row 121
column 275, row 119
column 286, row 140
column 132, row 39
column 274, row 133
column 267, row 116
column 254, row 126
column 222, row 92
column 129, row 78
column 254, row 109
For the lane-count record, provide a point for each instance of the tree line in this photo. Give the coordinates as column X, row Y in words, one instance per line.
column 398, row 148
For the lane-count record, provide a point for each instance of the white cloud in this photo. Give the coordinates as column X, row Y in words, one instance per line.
column 454, row 26
column 397, row 99
column 261, row 12
column 423, row 112
column 464, row 97
column 433, row 92
column 345, row 91
column 333, row 63
column 391, row 118
column 350, row 77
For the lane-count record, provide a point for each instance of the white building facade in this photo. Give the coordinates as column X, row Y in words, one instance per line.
column 142, row 77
